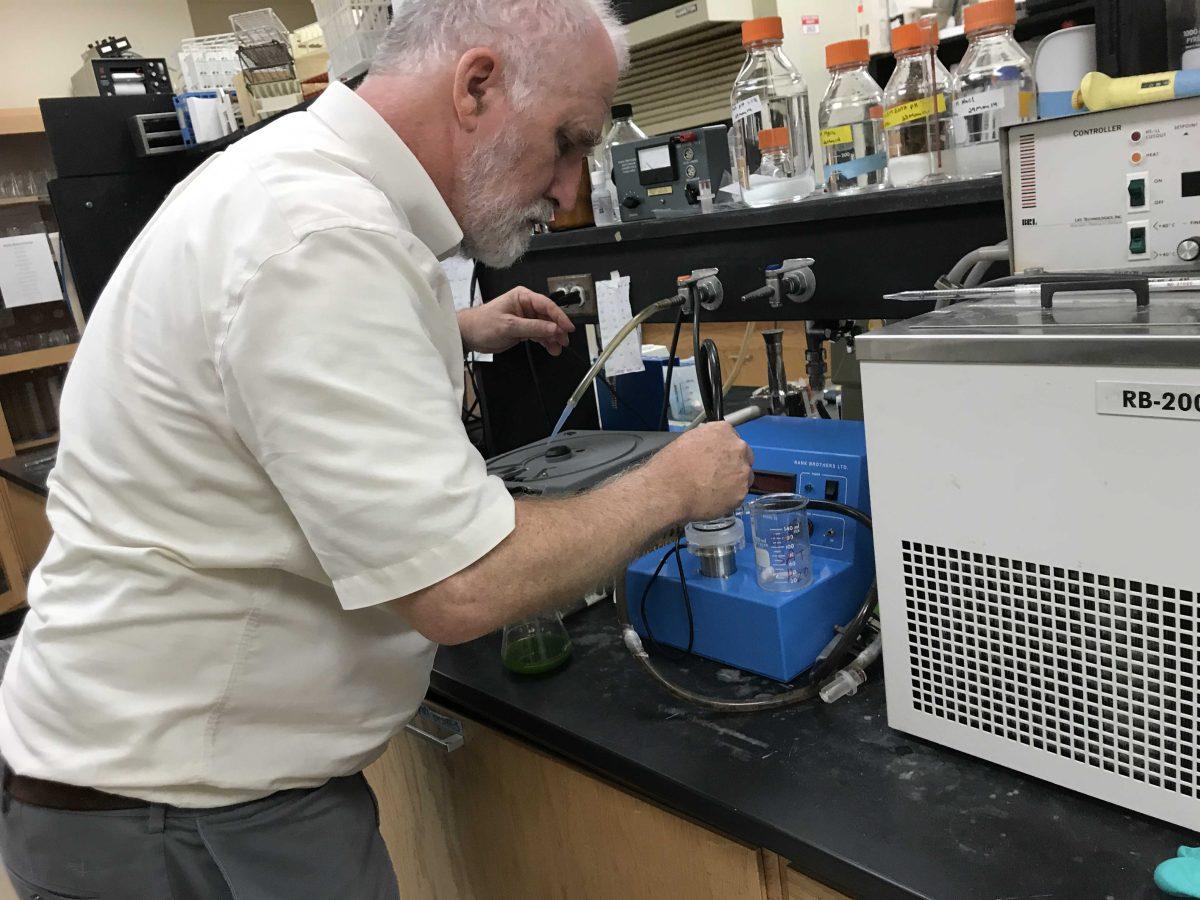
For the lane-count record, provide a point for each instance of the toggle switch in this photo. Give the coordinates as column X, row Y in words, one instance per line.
column 1137, row 240
column 1137, row 192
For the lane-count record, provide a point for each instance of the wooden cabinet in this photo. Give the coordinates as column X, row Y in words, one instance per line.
column 496, row 819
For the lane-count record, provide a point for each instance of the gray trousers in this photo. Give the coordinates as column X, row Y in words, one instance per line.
column 319, row 843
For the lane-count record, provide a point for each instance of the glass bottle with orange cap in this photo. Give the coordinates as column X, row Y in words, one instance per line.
column 993, row 87
column 916, row 108
column 769, row 94
column 851, row 121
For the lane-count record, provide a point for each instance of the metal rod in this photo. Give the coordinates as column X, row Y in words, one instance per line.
column 776, row 375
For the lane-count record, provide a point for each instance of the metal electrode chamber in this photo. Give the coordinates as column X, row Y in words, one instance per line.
column 714, row 543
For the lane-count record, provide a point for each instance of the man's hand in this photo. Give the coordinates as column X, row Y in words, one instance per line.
column 709, row 468
column 563, row 547
column 514, row 317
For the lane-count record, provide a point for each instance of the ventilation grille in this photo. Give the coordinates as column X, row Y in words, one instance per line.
column 683, row 81
column 1027, row 149
column 1092, row 668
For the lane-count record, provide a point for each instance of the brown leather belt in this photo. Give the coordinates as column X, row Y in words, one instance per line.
column 55, row 795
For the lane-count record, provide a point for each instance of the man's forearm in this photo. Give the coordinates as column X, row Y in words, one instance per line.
column 558, row 551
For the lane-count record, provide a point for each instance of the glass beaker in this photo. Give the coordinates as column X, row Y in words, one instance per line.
column 782, row 553
column 536, row 645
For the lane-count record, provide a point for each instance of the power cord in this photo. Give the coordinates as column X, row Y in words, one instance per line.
column 675, row 551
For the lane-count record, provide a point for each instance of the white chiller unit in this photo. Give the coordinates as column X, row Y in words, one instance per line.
column 1035, row 481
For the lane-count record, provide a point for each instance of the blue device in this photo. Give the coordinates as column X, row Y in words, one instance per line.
column 778, row 635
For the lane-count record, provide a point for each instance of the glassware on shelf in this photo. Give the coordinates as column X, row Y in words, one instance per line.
column 768, row 94
column 993, row 86
column 851, row 121
column 916, row 109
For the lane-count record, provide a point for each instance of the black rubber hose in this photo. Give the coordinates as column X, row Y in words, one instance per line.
column 708, row 379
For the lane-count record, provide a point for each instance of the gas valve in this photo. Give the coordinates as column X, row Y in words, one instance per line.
column 793, row 279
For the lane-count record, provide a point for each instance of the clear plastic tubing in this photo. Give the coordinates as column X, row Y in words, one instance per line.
column 993, row 87
column 851, row 122
column 916, row 109
column 769, row 93
column 782, row 554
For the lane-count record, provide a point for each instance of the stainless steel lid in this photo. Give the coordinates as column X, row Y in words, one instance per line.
column 1099, row 328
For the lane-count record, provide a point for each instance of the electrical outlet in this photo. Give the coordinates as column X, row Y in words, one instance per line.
column 582, row 286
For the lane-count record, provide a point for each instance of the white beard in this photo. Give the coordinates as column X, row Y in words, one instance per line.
column 496, row 229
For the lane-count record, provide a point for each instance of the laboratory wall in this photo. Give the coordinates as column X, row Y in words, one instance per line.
column 212, row 16
column 43, row 41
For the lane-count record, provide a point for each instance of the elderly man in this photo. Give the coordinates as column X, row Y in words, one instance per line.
column 266, row 511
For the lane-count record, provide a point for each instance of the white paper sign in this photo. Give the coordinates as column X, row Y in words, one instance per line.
column 458, row 271
column 27, row 273
column 613, row 311
column 743, row 109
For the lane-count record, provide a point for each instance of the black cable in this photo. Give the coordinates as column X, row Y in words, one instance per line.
column 662, row 421
column 708, row 379
column 842, row 510
column 687, row 600
column 646, row 619
column 537, row 386
column 822, row 412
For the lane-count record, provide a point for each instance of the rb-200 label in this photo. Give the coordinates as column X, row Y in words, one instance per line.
column 1159, row 401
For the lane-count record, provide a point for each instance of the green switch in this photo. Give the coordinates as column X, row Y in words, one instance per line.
column 1137, row 240
column 1137, row 192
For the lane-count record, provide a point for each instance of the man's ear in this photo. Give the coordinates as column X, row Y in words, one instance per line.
column 476, row 83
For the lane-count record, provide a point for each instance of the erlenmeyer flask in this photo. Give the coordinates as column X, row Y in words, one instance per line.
column 536, row 645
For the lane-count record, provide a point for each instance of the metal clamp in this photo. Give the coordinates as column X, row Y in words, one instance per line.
column 450, row 741
column 702, row 286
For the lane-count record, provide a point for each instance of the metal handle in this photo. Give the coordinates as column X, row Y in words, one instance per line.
column 1139, row 286
column 448, row 742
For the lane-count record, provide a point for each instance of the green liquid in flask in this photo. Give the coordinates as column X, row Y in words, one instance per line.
column 537, row 654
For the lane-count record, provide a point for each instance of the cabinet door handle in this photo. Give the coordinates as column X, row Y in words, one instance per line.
column 451, row 737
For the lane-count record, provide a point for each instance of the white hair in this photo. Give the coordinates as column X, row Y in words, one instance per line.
column 525, row 32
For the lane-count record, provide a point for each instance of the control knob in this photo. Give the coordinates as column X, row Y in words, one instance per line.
column 1189, row 249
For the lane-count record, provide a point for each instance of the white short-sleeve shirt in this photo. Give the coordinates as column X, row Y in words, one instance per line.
column 261, row 444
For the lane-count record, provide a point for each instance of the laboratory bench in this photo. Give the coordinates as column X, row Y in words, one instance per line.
column 594, row 782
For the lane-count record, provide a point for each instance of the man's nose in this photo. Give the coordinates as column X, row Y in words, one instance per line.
column 564, row 192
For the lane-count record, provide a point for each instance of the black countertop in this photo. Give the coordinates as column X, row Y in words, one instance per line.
column 31, row 469
column 850, row 802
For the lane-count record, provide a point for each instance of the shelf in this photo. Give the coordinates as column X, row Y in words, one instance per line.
column 818, row 208
column 37, row 359
column 23, row 201
column 26, row 120
column 22, row 446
